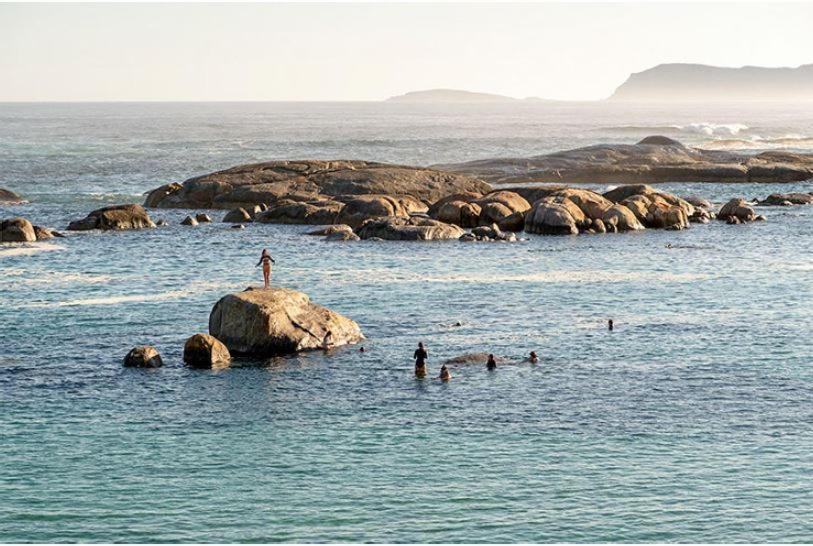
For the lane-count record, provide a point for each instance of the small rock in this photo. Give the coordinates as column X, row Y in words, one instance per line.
column 238, row 226
column 161, row 222
column 342, row 236
column 144, row 356
column 202, row 218
column 189, row 221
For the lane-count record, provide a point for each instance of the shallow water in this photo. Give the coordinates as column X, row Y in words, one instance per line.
column 692, row 421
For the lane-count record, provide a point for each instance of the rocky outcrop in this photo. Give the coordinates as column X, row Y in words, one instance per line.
column 115, row 217
column 205, row 351
column 408, row 229
column 310, row 180
column 737, row 211
column 301, row 212
column 17, row 230
column 274, row 321
column 787, row 199
column 8, row 197
column 654, row 159
column 359, row 209
column 144, row 356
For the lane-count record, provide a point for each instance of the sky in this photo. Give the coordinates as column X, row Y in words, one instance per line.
column 324, row 52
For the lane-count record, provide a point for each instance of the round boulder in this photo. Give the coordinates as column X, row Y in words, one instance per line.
column 205, row 351
column 17, row 230
column 237, row 216
column 145, row 356
column 114, row 217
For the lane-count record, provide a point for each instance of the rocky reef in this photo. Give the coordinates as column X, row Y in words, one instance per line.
column 276, row 321
column 310, row 182
column 653, row 159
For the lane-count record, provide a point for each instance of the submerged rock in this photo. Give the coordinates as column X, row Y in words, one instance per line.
column 205, row 351
column 17, row 230
column 8, row 197
column 272, row 181
column 329, row 230
column 408, row 229
column 44, row 233
column 145, row 356
column 115, row 217
column 274, row 321
column 472, row 358
column 342, row 236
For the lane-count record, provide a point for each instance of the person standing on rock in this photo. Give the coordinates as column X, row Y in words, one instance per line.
column 266, row 260
column 420, row 357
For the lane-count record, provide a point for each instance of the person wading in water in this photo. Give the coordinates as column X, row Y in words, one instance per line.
column 444, row 373
column 266, row 260
column 420, row 357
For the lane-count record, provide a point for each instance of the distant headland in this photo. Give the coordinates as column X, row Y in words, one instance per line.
column 696, row 82
column 676, row 82
column 453, row 95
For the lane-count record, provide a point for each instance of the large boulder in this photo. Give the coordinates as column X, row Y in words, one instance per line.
column 8, row 197
column 592, row 204
column 115, row 217
column 460, row 213
column 621, row 218
column 17, row 230
column 144, row 356
column 237, row 216
column 550, row 218
column 359, row 209
column 499, row 205
column 286, row 211
column 737, row 210
column 274, row 180
column 408, row 229
column 274, row 321
column 205, row 351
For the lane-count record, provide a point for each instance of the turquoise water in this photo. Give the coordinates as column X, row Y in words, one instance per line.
column 692, row 421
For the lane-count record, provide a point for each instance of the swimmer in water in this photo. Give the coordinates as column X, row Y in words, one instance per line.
column 420, row 357
column 266, row 260
column 444, row 373
column 610, row 324
column 491, row 364
column 533, row 359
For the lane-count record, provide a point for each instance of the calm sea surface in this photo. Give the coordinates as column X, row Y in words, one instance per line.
column 691, row 422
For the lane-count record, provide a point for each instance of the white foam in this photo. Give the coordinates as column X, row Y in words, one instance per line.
column 714, row 129
column 27, row 249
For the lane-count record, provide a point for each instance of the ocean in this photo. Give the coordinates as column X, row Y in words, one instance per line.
column 692, row 421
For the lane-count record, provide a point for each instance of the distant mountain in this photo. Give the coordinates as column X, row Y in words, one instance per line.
column 449, row 95
column 697, row 82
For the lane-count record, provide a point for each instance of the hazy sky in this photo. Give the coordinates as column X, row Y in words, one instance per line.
column 307, row 51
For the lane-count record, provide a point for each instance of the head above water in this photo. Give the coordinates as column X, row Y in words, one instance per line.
column 533, row 354
column 420, row 345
